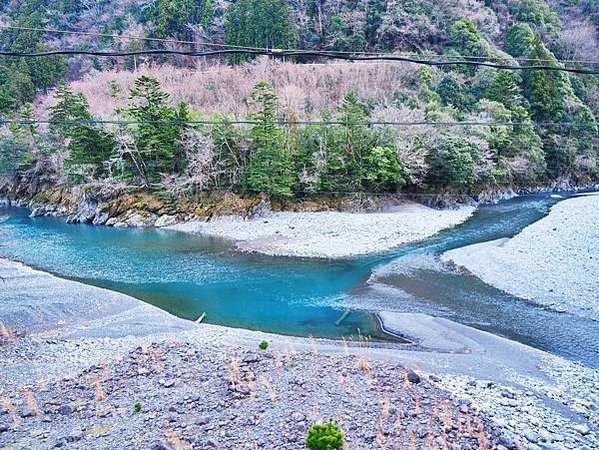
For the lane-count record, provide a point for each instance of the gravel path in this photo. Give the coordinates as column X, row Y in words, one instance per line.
column 553, row 262
column 330, row 234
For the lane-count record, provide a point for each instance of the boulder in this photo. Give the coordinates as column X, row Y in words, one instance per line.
column 165, row 220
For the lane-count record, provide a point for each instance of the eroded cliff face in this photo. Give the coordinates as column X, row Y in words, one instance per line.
column 120, row 206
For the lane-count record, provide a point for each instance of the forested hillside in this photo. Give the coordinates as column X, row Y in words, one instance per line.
column 542, row 124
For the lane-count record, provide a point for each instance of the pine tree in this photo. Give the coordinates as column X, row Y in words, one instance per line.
column 173, row 17
column 504, row 89
column 261, row 23
column 520, row 40
column 270, row 166
column 157, row 142
column 544, row 89
column 87, row 144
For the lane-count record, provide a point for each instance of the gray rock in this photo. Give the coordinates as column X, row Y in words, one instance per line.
column 582, row 429
column 165, row 220
column 75, row 436
column 65, row 410
column 160, row 446
column 203, row 420
column 413, row 377
column 531, row 436
column 101, row 218
column 27, row 412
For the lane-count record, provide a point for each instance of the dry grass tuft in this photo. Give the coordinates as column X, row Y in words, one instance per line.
column 447, row 417
column 234, row 372
column 269, row 388
column 31, row 402
column 345, row 347
column 313, row 346
column 412, row 441
column 417, row 407
column 157, row 358
column 99, row 391
column 385, row 406
column 11, row 410
column 6, row 333
column 278, row 361
column 346, row 382
column 363, row 364
column 380, row 432
column 105, row 373
column 173, row 439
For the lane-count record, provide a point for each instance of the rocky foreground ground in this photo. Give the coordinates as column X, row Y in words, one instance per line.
column 86, row 368
column 190, row 397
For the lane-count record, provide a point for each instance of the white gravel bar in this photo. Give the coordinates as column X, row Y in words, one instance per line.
column 330, row 234
column 553, row 262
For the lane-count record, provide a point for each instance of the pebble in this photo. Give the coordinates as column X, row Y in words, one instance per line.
column 66, row 410
column 413, row 377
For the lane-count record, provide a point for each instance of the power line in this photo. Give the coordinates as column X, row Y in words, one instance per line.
column 291, row 122
column 242, row 47
column 290, row 54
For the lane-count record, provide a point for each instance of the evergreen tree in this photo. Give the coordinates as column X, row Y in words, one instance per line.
column 453, row 163
column 172, row 17
column 26, row 136
column 157, row 142
column 261, row 23
column 467, row 39
column 504, row 89
column 544, row 89
column 270, row 166
column 87, row 144
column 520, row 40
column 452, row 92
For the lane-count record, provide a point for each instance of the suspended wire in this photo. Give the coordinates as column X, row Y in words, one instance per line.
column 289, row 54
column 242, row 47
column 291, row 122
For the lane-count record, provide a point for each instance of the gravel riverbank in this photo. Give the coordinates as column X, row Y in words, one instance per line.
column 330, row 234
column 71, row 378
column 553, row 262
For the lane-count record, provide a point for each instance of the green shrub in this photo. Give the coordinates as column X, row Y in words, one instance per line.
column 137, row 407
column 327, row 436
column 263, row 345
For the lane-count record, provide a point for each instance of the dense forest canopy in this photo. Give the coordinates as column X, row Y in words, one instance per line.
column 276, row 155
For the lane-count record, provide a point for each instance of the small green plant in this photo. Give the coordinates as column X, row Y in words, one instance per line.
column 325, row 436
column 137, row 407
column 263, row 345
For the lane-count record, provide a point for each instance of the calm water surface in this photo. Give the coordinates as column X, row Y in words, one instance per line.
column 189, row 275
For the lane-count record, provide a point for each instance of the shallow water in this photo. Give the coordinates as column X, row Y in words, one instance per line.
column 190, row 275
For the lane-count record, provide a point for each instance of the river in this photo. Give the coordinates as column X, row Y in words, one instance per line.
column 190, row 275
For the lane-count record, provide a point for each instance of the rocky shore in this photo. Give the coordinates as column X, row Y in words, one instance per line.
column 553, row 262
column 86, row 368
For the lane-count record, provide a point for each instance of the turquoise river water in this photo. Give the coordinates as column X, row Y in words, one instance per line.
column 189, row 275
